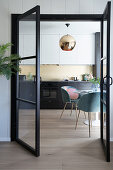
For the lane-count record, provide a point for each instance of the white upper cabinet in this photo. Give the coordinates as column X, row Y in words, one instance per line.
column 49, row 49
column 83, row 53
column 21, row 45
column 40, row 49
column 29, row 45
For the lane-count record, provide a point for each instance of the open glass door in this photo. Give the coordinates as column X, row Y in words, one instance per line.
column 28, row 81
column 106, row 80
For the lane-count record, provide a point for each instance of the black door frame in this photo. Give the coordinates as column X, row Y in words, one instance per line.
column 14, row 50
column 43, row 17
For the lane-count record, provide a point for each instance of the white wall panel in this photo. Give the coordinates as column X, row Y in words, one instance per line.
column 99, row 6
column 15, row 6
column 86, row 6
column 45, row 6
column 4, row 21
column 4, row 109
column 58, row 6
column 72, row 6
column 4, row 84
column 28, row 4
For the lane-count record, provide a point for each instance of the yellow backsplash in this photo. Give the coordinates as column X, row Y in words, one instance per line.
column 57, row 72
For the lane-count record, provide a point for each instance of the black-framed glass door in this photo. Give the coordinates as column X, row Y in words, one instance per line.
column 106, row 80
column 28, row 81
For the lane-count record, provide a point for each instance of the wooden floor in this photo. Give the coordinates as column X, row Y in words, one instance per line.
column 62, row 148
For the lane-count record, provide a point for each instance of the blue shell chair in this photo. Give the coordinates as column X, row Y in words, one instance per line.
column 89, row 103
column 66, row 99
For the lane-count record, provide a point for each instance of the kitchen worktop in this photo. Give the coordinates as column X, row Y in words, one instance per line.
column 50, row 92
column 61, row 81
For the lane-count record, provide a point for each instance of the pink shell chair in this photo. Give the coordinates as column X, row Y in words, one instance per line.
column 69, row 95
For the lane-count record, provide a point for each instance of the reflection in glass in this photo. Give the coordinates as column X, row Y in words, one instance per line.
column 26, row 124
column 104, row 78
column 104, row 55
column 104, row 73
column 104, row 123
column 105, row 39
column 27, row 80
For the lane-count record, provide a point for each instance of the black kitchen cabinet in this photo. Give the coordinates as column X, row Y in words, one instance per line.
column 50, row 96
column 50, row 92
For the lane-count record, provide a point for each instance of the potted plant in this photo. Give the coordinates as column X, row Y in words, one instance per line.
column 85, row 77
column 6, row 62
column 96, row 82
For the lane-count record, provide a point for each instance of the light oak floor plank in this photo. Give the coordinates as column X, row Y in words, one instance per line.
column 62, row 148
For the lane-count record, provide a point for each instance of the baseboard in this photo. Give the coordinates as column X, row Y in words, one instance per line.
column 5, row 139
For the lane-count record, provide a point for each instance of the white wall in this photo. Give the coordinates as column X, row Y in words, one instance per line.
column 47, row 6
column 4, row 109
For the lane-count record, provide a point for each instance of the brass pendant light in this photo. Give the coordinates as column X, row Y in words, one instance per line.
column 67, row 42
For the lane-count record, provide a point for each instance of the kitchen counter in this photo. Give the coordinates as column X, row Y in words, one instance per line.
column 63, row 81
column 50, row 92
column 80, row 85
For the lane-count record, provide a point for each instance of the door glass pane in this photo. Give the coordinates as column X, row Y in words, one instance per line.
column 105, row 39
column 104, row 78
column 26, row 123
column 104, row 53
column 105, row 63
column 104, row 74
column 27, row 36
column 27, row 80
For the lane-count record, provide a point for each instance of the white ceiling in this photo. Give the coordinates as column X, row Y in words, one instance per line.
column 74, row 28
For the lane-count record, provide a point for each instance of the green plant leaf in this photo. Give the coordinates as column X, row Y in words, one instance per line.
column 8, row 64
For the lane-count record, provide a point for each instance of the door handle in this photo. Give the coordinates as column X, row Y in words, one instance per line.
column 110, row 80
column 105, row 80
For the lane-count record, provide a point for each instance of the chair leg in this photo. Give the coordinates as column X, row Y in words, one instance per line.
column 76, row 110
column 71, row 109
column 63, row 110
column 77, row 120
column 85, row 115
column 89, row 122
